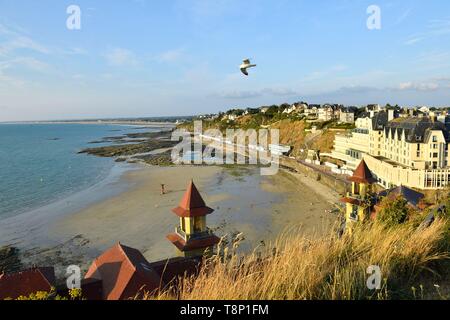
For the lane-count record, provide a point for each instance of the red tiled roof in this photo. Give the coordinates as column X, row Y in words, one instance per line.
column 194, row 244
column 124, row 273
column 192, row 204
column 26, row 282
column 362, row 174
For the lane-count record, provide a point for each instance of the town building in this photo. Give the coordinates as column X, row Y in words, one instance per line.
column 295, row 108
column 327, row 113
column 264, row 109
column 312, row 111
column 347, row 115
column 411, row 151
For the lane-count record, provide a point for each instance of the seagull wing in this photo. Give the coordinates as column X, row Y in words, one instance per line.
column 244, row 71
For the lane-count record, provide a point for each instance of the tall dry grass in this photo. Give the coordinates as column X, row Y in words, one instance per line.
column 327, row 268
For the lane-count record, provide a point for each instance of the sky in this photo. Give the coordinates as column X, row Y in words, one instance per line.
column 145, row 58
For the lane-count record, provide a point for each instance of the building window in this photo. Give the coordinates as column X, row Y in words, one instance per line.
column 435, row 139
column 354, row 213
column 435, row 155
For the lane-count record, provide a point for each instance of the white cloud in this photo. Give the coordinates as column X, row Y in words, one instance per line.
column 237, row 94
column 121, row 57
column 22, row 42
column 425, row 86
column 403, row 16
column 74, row 51
column 435, row 28
column 170, row 55
column 28, row 62
column 413, row 40
column 326, row 72
column 247, row 94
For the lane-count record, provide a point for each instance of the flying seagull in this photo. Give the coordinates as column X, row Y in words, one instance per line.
column 244, row 66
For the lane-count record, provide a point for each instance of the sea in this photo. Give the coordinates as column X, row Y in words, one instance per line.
column 40, row 163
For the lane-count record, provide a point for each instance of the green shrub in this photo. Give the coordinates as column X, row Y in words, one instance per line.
column 393, row 212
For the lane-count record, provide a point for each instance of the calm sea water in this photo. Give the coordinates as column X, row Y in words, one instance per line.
column 40, row 164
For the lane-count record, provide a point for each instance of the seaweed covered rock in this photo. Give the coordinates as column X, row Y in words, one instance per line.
column 9, row 260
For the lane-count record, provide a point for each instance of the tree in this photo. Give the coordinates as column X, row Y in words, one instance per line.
column 393, row 212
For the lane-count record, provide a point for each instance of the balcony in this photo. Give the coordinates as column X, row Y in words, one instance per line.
column 196, row 236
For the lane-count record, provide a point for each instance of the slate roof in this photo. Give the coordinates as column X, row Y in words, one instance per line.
column 413, row 197
column 417, row 130
column 364, row 115
column 379, row 120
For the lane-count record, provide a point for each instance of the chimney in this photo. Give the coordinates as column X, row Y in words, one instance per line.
column 391, row 115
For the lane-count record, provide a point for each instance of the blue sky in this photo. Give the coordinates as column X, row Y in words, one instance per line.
column 148, row 58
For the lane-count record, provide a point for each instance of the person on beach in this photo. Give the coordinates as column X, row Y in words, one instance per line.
column 163, row 189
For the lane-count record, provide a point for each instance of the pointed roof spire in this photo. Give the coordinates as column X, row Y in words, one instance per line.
column 362, row 174
column 192, row 204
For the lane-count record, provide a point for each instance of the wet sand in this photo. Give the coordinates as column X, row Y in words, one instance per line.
column 259, row 207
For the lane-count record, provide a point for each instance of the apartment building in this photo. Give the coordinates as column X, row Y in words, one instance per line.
column 351, row 147
column 329, row 112
column 312, row 110
column 347, row 116
column 410, row 151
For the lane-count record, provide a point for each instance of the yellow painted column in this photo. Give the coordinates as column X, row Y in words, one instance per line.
column 362, row 189
column 189, row 226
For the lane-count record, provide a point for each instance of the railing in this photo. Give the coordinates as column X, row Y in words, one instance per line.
column 354, row 196
column 199, row 235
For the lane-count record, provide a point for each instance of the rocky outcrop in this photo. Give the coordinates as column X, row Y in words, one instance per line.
column 9, row 260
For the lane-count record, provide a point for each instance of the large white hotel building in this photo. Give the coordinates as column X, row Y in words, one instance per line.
column 409, row 151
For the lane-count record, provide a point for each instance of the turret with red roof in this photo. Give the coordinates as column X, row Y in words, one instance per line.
column 193, row 238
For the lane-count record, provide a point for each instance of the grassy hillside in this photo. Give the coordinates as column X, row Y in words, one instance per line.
column 414, row 265
column 293, row 132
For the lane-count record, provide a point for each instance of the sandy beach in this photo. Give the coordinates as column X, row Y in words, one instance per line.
column 259, row 207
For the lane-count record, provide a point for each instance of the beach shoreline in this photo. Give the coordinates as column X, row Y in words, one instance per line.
column 127, row 207
column 258, row 207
